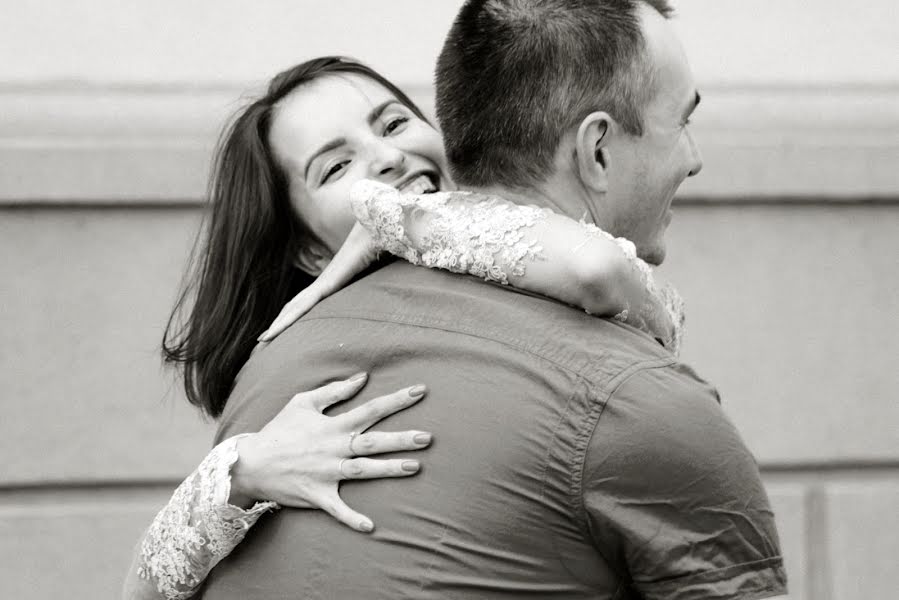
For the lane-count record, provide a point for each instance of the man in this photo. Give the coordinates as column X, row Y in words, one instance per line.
column 574, row 457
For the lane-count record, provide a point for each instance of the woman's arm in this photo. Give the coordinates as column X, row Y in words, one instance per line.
column 193, row 532
column 527, row 247
column 296, row 460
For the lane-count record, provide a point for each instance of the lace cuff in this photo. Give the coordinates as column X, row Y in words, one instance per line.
column 659, row 298
column 462, row 232
column 197, row 528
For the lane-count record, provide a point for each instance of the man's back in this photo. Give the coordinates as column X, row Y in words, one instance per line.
column 521, row 491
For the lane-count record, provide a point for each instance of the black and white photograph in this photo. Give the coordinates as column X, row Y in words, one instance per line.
column 449, row 299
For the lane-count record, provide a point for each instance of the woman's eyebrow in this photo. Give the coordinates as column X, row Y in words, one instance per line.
column 376, row 111
column 335, row 143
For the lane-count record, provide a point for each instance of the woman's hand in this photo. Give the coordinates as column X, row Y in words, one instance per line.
column 299, row 458
column 356, row 253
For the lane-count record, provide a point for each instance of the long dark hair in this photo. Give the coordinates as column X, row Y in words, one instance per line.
column 242, row 269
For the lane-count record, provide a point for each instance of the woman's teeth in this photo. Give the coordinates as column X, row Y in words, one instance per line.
column 420, row 185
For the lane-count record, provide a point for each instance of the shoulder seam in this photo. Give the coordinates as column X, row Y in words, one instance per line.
column 585, row 435
column 482, row 334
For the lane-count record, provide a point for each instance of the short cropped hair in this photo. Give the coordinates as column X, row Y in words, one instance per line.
column 515, row 75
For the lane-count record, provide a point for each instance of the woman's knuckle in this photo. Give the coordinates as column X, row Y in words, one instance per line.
column 379, row 410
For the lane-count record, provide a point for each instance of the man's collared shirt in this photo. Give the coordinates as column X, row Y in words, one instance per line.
column 573, row 457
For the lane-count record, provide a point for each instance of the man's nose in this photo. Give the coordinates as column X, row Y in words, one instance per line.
column 386, row 159
column 695, row 157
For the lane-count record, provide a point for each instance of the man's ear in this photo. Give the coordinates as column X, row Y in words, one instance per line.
column 312, row 257
column 591, row 149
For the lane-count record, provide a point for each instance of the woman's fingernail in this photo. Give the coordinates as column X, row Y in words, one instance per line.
column 410, row 465
column 422, row 438
column 366, row 525
column 358, row 377
column 417, row 391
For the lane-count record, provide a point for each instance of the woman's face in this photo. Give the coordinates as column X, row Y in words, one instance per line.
column 342, row 128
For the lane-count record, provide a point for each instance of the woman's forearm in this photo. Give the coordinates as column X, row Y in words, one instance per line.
column 580, row 266
column 193, row 532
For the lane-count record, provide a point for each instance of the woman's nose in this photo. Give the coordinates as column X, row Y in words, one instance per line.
column 386, row 159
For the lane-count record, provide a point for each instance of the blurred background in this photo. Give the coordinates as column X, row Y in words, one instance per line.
column 786, row 249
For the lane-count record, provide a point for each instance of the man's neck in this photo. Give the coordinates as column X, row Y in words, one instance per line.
column 559, row 195
column 518, row 196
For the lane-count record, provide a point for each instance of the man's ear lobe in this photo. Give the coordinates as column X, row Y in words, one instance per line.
column 592, row 152
column 312, row 257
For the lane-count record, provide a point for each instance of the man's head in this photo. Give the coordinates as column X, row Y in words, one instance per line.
column 586, row 97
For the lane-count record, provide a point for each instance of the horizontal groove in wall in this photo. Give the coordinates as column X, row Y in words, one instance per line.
column 132, row 144
column 811, row 473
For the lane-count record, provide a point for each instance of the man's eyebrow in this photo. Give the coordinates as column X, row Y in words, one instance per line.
column 696, row 99
column 335, row 143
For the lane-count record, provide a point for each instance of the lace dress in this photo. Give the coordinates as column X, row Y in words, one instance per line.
column 461, row 232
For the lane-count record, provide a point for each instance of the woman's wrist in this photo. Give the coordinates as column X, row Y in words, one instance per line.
column 244, row 492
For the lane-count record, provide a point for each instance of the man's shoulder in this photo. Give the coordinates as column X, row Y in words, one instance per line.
column 665, row 473
column 400, row 310
column 421, row 298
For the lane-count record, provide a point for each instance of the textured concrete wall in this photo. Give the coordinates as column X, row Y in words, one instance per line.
column 786, row 249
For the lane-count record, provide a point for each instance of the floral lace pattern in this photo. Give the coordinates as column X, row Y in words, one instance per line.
column 482, row 235
column 659, row 298
column 197, row 528
column 485, row 239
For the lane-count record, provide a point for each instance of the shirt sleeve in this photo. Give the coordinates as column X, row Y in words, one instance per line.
column 673, row 498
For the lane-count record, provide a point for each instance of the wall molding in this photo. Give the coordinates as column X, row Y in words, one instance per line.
column 68, row 143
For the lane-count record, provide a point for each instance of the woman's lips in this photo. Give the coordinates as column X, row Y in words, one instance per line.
column 422, row 184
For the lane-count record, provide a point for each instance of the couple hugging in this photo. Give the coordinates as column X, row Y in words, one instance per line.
column 562, row 451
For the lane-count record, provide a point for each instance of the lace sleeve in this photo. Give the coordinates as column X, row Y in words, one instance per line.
column 460, row 232
column 197, row 528
column 525, row 246
column 659, row 298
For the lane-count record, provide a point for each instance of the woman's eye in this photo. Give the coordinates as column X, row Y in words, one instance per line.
column 334, row 170
column 395, row 124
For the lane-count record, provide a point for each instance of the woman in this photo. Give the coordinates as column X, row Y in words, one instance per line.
column 280, row 213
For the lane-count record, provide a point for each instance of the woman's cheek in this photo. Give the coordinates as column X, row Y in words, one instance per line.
column 335, row 214
column 424, row 140
column 341, row 205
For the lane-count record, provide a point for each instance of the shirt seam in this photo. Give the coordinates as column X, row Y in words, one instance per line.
column 585, row 436
column 554, row 443
column 485, row 334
